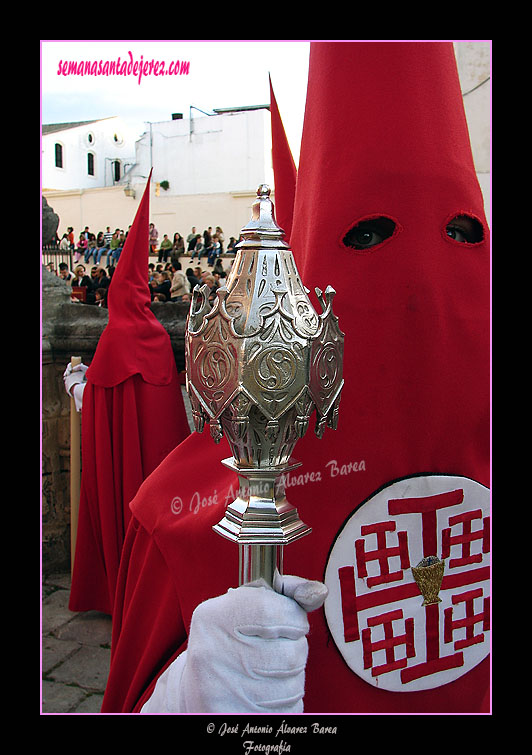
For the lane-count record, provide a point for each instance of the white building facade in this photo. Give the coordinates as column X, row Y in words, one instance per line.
column 223, row 153
column 87, row 154
column 206, row 171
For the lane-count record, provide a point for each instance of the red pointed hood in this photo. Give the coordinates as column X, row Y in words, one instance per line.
column 385, row 135
column 284, row 170
column 134, row 341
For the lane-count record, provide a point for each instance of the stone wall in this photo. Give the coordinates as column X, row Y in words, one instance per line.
column 73, row 329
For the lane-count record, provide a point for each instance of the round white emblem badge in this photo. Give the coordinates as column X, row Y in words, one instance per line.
column 408, row 578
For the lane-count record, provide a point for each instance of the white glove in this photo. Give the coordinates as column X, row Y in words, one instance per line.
column 75, row 382
column 247, row 652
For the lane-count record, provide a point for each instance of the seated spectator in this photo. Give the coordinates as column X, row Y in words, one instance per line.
column 64, row 272
column 91, row 251
column 192, row 239
column 221, row 238
column 81, row 247
column 180, row 284
column 115, row 247
column 100, row 297
column 80, row 277
column 153, row 238
column 192, row 278
column 161, row 284
column 107, row 236
column 211, row 283
column 214, row 252
column 101, row 250
column 207, row 238
column 219, row 268
column 199, row 249
column 70, row 236
column 99, row 279
column 178, row 244
column 165, row 248
column 178, row 248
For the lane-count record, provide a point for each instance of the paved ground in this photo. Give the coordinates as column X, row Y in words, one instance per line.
column 76, row 649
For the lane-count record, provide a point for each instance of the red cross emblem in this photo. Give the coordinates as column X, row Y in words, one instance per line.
column 409, row 579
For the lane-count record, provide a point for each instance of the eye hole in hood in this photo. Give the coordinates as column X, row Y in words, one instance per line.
column 464, row 229
column 369, row 233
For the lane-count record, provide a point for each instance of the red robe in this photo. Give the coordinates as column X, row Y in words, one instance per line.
column 133, row 415
column 384, row 135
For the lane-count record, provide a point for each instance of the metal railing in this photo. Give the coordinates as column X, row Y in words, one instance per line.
column 52, row 255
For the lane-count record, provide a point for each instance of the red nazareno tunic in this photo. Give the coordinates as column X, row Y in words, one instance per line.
column 384, row 136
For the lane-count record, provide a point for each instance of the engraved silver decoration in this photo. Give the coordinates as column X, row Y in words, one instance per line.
column 259, row 362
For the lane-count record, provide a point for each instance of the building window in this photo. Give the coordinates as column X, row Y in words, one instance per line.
column 90, row 163
column 58, row 155
column 115, row 168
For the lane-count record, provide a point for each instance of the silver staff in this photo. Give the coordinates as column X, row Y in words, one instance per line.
column 259, row 362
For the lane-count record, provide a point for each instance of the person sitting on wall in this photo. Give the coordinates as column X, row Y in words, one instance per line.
column 165, row 248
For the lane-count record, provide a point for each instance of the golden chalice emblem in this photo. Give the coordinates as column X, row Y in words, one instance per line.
column 429, row 575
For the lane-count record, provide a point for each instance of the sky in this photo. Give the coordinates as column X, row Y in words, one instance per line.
column 220, row 74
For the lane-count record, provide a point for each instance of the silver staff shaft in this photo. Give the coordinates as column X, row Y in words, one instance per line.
column 260, row 562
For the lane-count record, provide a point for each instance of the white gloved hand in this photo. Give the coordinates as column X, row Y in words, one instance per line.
column 247, row 652
column 75, row 381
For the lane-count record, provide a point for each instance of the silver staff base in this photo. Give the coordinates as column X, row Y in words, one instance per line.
column 261, row 520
